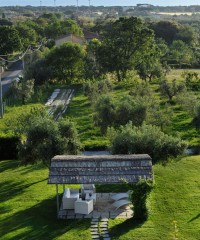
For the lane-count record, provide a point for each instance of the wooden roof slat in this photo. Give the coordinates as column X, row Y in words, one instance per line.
column 99, row 168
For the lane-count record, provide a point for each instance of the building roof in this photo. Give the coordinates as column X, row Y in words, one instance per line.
column 103, row 169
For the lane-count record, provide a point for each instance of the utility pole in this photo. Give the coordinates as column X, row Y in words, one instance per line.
column 1, row 98
column 89, row 8
column 77, row 6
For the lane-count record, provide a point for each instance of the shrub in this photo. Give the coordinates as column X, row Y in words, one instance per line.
column 147, row 139
column 139, row 194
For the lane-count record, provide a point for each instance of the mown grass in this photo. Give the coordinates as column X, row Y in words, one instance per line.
column 173, row 201
column 28, row 205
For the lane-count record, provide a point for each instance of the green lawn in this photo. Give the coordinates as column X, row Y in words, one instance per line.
column 175, row 198
column 28, row 205
column 81, row 112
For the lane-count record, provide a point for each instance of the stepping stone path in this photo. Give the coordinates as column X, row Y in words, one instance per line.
column 99, row 229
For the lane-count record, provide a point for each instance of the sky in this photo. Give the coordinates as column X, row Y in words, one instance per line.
column 99, row 2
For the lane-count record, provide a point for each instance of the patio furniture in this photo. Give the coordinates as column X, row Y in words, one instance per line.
column 88, row 188
column 120, row 203
column 83, row 206
column 119, row 196
column 69, row 197
column 90, row 196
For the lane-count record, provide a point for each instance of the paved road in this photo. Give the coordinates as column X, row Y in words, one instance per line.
column 9, row 75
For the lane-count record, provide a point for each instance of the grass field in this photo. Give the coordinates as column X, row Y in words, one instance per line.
column 28, row 206
column 174, row 200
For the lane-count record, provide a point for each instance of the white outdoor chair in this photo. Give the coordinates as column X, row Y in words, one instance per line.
column 69, row 198
column 119, row 196
column 120, row 203
column 88, row 188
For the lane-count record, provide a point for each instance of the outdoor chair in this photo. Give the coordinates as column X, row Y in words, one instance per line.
column 120, row 203
column 88, row 188
column 69, row 197
column 119, row 196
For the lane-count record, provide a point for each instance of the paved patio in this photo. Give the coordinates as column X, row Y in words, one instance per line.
column 103, row 208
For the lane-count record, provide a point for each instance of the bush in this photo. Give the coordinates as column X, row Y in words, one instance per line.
column 146, row 139
column 140, row 191
column 8, row 147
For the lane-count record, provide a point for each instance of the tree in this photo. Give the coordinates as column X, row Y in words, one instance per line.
column 152, row 65
column 9, row 40
column 45, row 138
column 128, row 109
column 22, row 88
column 69, row 134
column 125, row 43
column 171, row 89
column 104, row 112
column 43, row 141
column 92, row 67
column 196, row 119
column 180, row 52
column 147, row 139
column 166, row 30
column 67, row 62
column 27, row 35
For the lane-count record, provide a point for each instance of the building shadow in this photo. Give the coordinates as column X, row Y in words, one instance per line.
column 40, row 222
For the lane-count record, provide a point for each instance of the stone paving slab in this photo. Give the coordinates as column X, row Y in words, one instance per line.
column 107, row 238
column 103, row 210
column 105, row 235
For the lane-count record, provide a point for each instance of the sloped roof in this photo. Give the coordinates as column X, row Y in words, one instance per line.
column 103, row 169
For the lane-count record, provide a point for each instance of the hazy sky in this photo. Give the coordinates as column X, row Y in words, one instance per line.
column 98, row 2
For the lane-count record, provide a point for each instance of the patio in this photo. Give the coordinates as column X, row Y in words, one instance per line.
column 103, row 208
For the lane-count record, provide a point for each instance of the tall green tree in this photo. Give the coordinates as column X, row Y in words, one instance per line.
column 125, row 44
column 9, row 40
column 23, row 89
column 67, row 62
column 27, row 34
column 104, row 112
column 180, row 52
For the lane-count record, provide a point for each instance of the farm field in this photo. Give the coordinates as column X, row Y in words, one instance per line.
column 28, row 205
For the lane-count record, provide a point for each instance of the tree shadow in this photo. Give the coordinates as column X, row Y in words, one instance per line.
column 8, row 165
column 10, row 189
column 124, row 227
column 194, row 218
column 40, row 222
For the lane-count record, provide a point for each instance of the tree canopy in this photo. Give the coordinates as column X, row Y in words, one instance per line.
column 67, row 62
column 125, row 44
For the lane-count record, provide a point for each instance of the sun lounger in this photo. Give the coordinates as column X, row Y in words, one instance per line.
column 120, row 203
column 119, row 196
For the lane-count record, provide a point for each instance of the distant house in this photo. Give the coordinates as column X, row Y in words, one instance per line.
column 90, row 35
column 69, row 38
